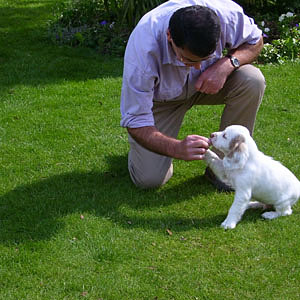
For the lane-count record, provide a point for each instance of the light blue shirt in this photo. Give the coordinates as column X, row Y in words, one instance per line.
column 151, row 69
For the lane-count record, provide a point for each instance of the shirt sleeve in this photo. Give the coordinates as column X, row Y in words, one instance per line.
column 137, row 97
column 241, row 29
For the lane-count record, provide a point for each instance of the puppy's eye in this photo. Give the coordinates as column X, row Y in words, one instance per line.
column 224, row 136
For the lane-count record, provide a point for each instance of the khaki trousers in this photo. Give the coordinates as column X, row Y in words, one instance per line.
column 241, row 94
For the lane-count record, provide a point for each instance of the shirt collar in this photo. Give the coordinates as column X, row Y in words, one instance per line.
column 169, row 57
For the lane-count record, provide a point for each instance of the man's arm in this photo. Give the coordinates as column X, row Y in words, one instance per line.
column 213, row 79
column 247, row 53
column 193, row 147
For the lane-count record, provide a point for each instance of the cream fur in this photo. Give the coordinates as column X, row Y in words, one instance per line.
column 252, row 175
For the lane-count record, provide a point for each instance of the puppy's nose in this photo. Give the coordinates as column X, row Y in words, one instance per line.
column 212, row 135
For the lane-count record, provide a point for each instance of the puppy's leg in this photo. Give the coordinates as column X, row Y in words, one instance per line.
column 216, row 165
column 280, row 211
column 258, row 205
column 237, row 209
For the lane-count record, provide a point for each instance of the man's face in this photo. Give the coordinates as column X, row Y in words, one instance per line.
column 185, row 56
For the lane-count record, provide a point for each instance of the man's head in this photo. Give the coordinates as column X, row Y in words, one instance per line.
column 195, row 29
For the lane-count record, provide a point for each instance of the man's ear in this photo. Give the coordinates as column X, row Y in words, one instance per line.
column 238, row 155
column 169, row 35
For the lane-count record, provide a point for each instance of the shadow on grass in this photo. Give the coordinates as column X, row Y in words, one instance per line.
column 35, row 212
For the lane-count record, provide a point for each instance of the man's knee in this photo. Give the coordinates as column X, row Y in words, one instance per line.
column 252, row 79
column 246, row 87
column 147, row 179
column 245, row 91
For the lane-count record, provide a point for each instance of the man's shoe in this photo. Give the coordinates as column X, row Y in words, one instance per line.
column 218, row 184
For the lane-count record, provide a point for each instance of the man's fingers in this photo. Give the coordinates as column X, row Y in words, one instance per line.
column 195, row 147
column 198, row 157
column 200, row 144
column 198, row 138
column 197, row 153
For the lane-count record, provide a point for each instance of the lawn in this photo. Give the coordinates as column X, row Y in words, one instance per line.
column 73, row 226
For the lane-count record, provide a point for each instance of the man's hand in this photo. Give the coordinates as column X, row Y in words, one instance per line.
column 212, row 80
column 193, row 147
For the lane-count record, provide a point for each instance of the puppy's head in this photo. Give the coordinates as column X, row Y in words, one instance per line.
column 233, row 143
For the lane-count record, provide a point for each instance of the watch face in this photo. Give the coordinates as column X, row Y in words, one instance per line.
column 235, row 62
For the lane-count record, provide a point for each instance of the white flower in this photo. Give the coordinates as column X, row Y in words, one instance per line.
column 289, row 14
column 267, row 29
column 263, row 23
column 281, row 17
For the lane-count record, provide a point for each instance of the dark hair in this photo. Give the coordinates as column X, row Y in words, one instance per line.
column 197, row 28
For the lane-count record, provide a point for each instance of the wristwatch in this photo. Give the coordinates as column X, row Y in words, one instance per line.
column 234, row 61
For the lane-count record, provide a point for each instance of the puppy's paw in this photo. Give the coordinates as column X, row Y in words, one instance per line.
column 275, row 214
column 228, row 224
column 269, row 215
column 210, row 155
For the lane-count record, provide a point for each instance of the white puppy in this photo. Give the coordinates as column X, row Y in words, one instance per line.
column 252, row 175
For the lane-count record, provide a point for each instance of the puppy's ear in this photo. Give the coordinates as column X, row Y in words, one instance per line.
column 238, row 155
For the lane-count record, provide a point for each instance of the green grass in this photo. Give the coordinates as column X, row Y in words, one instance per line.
column 73, row 226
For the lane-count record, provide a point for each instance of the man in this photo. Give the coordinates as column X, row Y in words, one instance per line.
column 173, row 61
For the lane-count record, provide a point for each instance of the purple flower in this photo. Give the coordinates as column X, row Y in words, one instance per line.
column 265, row 35
column 297, row 25
column 103, row 23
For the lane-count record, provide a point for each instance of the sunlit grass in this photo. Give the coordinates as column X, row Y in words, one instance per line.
column 73, row 226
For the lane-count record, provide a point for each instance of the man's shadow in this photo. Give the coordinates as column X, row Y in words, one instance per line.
column 35, row 212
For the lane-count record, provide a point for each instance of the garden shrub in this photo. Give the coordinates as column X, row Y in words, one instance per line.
column 106, row 24
column 273, row 7
column 101, row 24
column 282, row 39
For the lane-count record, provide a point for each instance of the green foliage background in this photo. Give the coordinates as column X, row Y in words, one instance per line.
column 106, row 24
column 269, row 6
